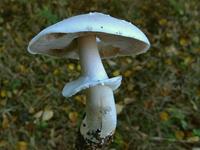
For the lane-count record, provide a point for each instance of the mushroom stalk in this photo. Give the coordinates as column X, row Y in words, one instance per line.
column 99, row 123
column 91, row 64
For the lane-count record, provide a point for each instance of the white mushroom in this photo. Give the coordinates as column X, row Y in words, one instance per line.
column 90, row 37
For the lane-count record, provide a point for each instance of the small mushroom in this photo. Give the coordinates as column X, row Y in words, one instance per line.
column 90, row 37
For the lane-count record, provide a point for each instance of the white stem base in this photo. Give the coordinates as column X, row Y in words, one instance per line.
column 100, row 121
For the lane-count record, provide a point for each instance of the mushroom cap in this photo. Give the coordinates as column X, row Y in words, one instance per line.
column 115, row 37
column 85, row 82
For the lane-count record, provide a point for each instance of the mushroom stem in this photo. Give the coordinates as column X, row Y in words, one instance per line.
column 99, row 123
column 90, row 59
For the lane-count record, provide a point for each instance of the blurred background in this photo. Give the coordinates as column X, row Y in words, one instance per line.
column 158, row 102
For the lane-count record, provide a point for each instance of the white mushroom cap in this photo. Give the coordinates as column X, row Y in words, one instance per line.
column 115, row 37
column 82, row 83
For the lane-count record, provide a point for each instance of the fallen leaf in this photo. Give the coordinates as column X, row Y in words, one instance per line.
column 128, row 100
column 56, row 72
column 73, row 116
column 127, row 73
column 31, row 110
column 143, row 135
column 130, row 87
column 65, row 108
column 5, row 122
column 119, row 108
column 128, row 60
column 179, row 135
column 163, row 22
column 22, row 145
column 198, row 92
column 116, row 73
column 3, row 102
column 78, row 67
column 111, row 62
column 3, row 143
column 149, row 104
column 3, row 93
column 137, row 68
column 168, row 61
column 193, row 139
column 81, row 99
column 22, row 68
column 70, row 66
column 164, row 116
column 188, row 60
column 38, row 114
column 183, row 42
column 136, row 128
column 47, row 115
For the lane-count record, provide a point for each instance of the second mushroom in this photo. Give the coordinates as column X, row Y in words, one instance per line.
column 90, row 37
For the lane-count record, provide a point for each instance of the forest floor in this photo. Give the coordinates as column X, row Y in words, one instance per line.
column 158, row 102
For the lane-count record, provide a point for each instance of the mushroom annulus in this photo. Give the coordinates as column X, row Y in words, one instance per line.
column 90, row 37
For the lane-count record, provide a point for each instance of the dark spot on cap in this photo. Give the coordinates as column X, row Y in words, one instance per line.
column 98, row 130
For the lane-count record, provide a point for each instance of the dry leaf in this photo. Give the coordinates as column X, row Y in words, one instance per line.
column 119, row 108
column 22, row 145
column 149, row 104
column 168, row 61
column 111, row 62
column 128, row 60
column 137, row 68
column 179, row 135
column 183, row 42
column 163, row 22
column 47, row 115
column 116, row 73
column 127, row 73
column 73, row 117
column 3, row 93
column 3, row 102
column 38, row 114
column 5, row 122
column 128, row 100
column 22, row 68
column 130, row 87
column 78, row 67
column 81, row 99
column 56, row 72
column 193, row 139
column 3, row 143
column 70, row 66
column 164, row 116
column 31, row 110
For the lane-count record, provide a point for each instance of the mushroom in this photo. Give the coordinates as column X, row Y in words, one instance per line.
column 90, row 37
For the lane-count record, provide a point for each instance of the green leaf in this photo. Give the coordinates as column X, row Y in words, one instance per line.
column 177, row 5
column 42, row 125
column 48, row 15
column 16, row 84
column 196, row 132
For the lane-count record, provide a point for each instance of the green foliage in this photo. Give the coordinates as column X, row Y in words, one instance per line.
column 47, row 14
column 196, row 132
column 15, row 84
column 178, row 6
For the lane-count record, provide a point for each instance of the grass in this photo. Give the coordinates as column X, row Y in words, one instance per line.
column 163, row 84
